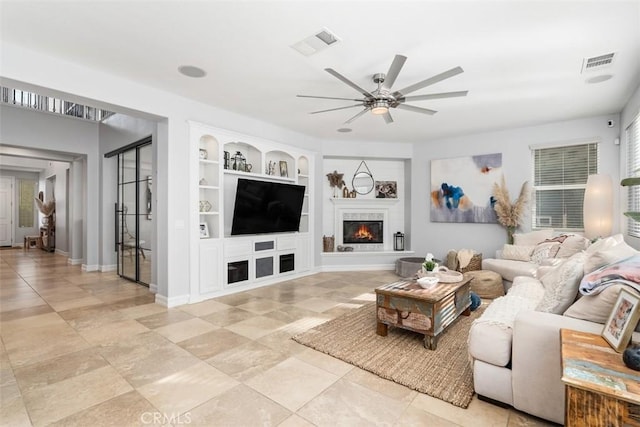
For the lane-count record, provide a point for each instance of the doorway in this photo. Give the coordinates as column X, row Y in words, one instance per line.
column 133, row 214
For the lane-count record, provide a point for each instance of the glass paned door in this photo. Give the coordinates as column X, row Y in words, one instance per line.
column 133, row 214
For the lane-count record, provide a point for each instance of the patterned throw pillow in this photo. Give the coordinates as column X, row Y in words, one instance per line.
column 544, row 250
column 561, row 285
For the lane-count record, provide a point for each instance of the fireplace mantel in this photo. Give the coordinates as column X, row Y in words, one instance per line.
column 362, row 201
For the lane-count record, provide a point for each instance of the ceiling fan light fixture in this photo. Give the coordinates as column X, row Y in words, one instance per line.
column 380, row 107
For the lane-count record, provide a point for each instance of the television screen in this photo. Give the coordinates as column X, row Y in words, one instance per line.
column 266, row 207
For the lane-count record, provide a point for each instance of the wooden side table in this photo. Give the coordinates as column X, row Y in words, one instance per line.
column 600, row 389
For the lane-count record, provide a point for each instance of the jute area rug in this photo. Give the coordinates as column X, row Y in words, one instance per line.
column 444, row 373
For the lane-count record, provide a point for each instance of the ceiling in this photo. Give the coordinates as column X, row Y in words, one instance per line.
column 522, row 61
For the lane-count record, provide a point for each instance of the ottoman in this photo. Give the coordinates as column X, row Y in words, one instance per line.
column 486, row 283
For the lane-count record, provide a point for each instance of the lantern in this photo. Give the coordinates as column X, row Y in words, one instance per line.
column 398, row 241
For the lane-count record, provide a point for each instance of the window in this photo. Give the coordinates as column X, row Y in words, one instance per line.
column 26, row 204
column 559, row 183
column 633, row 164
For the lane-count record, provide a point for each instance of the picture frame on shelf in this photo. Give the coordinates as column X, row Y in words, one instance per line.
column 622, row 320
column 284, row 168
column 204, row 155
column 204, row 230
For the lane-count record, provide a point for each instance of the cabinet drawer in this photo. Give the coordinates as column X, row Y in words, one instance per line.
column 233, row 249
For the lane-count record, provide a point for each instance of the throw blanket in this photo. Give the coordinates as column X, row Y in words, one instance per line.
column 464, row 257
column 626, row 271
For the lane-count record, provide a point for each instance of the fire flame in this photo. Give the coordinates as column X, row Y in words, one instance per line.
column 363, row 233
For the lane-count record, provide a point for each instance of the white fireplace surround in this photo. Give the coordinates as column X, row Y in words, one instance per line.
column 364, row 210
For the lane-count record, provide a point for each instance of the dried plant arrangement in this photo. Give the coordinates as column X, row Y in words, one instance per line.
column 510, row 215
column 336, row 181
column 46, row 208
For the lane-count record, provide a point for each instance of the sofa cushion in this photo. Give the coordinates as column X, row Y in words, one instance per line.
column 490, row 335
column 532, row 238
column 561, row 285
column 509, row 269
column 597, row 308
column 607, row 251
column 517, row 253
column 572, row 245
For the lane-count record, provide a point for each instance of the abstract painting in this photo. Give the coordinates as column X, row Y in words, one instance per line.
column 462, row 187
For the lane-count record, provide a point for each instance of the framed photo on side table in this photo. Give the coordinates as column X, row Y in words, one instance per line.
column 204, row 230
column 622, row 320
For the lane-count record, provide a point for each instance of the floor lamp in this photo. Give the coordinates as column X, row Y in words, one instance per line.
column 598, row 206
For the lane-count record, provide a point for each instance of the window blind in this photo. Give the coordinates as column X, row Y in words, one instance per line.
column 633, row 164
column 559, row 182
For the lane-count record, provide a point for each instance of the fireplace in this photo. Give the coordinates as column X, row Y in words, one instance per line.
column 362, row 232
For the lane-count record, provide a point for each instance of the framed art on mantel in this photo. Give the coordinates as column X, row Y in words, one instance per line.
column 462, row 188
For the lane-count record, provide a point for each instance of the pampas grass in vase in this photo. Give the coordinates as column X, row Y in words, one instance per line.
column 510, row 215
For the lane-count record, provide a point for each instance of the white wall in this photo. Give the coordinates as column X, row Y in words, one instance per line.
column 514, row 145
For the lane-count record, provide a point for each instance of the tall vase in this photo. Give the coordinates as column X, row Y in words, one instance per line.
column 510, row 231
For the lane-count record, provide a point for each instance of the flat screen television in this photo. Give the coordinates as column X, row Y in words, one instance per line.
column 266, row 207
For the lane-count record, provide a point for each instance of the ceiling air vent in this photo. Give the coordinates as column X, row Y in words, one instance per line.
column 596, row 63
column 313, row 44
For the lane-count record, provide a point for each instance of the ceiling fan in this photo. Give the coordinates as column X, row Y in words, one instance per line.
column 380, row 100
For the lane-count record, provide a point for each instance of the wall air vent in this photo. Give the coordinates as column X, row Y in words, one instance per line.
column 597, row 63
column 319, row 41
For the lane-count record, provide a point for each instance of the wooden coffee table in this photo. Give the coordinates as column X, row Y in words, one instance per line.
column 404, row 304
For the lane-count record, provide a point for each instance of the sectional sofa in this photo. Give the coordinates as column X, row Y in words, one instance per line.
column 515, row 344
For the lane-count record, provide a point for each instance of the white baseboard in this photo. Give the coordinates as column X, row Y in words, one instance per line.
column 173, row 301
column 153, row 288
column 106, row 268
column 72, row 261
column 61, row 252
column 89, row 268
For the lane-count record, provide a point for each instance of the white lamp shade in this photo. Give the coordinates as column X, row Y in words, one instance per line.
column 598, row 206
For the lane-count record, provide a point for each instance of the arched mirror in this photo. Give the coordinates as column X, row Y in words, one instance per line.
column 362, row 181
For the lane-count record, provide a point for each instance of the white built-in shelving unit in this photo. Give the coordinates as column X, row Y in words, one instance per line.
column 226, row 263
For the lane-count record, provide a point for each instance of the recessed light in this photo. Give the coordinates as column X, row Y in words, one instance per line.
column 345, row 130
column 192, row 71
column 599, row 79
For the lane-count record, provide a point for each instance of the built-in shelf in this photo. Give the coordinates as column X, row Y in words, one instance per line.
column 209, row 187
column 259, row 175
column 209, row 213
column 210, row 162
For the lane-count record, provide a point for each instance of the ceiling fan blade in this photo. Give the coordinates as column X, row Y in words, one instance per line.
column 387, row 118
column 393, row 72
column 434, row 96
column 335, row 109
column 356, row 116
column 416, row 109
column 327, row 97
column 424, row 83
column 347, row 81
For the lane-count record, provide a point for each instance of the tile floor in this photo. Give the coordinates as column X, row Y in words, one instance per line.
column 81, row 349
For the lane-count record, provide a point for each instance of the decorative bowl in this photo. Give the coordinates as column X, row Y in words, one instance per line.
column 428, row 281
